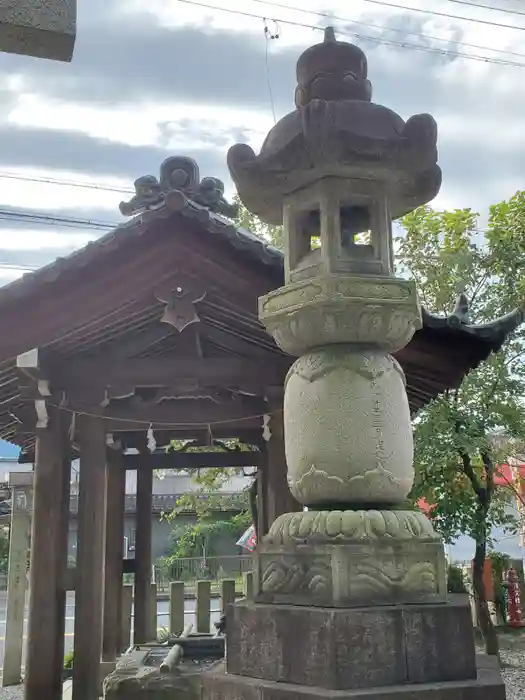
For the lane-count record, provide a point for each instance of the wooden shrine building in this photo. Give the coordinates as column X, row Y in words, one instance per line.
column 153, row 329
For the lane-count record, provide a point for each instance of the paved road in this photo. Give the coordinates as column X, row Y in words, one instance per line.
column 162, row 618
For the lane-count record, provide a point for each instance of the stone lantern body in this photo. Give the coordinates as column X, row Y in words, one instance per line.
column 334, row 172
column 357, row 578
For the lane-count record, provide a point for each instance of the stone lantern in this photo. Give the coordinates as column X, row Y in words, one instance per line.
column 335, row 172
column 350, row 594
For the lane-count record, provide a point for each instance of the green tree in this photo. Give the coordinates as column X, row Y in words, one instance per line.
column 245, row 219
column 206, row 501
column 456, row 456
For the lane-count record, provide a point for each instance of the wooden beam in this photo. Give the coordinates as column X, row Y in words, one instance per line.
column 36, row 384
column 192, row 413
column 159, row 372
column 44, row 665
column 195, row 460
column 143, row 552
column 115, row 501
column 163, row 437
column 89, row 594
column 123, row 423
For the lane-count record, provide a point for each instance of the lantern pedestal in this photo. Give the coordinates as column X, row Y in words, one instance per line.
column 218, row 684
column 350, row 559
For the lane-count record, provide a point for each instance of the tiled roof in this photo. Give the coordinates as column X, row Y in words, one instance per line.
column 493, row 334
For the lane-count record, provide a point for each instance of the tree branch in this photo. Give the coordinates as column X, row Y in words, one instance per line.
column 513, row 358
column 420, row 286
column 489, row 475
column 468, row 470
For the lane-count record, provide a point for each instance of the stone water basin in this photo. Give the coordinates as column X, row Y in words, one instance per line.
column 138, row 675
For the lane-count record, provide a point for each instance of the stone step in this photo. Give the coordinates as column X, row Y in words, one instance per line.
column 219, row 685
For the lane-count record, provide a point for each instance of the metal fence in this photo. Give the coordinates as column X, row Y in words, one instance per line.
column 202, row 568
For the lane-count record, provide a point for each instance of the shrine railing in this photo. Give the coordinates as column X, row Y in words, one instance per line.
column 192, row 569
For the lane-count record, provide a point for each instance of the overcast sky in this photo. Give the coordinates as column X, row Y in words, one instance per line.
column 152, row 78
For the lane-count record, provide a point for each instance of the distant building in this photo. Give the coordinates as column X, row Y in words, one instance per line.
column 166, row 491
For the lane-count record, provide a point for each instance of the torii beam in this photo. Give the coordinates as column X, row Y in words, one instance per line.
column 39, row 28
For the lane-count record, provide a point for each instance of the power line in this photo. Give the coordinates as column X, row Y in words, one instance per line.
column 69, row 183
column 447, row 15
column 364, row 37
column 15, row 266
column 50, row 220
column 382, row 27
column 487, row 7
column 269, row 36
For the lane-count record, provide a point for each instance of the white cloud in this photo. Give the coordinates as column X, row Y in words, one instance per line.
column 10, row 275
column 27, row 239
column 156, row 98
column 49, row 197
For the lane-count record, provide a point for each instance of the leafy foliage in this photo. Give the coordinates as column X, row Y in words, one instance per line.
column 200, row 540
column 68, row 661
column 206, row 501
column 445, row 253
column 500, row 564
column 251, row 222
column 456, row 455
column 455, row 580
column 207, row 498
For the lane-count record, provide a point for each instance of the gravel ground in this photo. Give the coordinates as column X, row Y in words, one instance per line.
column 513, row 664
column 14, row 692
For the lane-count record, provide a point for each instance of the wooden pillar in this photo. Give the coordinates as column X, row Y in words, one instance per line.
column 279, row 500
column 21, row 496
column 64, row 539
column 89, row 596
column 125, row 620
column 177, row 607
column 143, row 552
column 43, row 677
column 153, row 613
column 115, row 502
column 262, row 525
column 202, row 606
column 247, row 584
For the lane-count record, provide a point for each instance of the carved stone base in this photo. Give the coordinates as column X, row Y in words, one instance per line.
column 219, row 685
column 352, row 648
column 348, row 559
